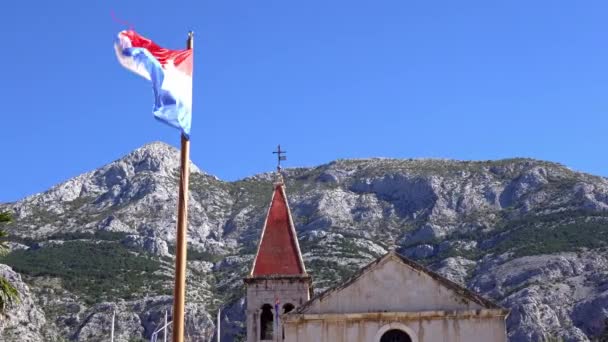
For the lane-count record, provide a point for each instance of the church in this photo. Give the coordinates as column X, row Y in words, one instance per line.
column 393, row 299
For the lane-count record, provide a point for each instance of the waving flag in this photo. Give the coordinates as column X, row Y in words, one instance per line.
column 170, row 72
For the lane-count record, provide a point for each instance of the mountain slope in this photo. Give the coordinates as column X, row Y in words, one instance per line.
column 531, row 235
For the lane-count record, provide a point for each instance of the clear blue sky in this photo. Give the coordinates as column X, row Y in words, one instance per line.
column 326, row 79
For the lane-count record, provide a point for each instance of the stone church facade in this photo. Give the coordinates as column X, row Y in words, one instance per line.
column 393, row 299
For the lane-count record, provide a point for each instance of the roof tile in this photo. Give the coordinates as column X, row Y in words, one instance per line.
column 278, row 250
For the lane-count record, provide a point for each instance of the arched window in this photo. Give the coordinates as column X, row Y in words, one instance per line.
column 266, row 322
column 288, row 307
column 395, row 335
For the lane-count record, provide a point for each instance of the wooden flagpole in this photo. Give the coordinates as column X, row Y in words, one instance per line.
column 179, row 292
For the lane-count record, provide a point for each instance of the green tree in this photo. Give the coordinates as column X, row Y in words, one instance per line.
column 8, row 293
column 5, row 217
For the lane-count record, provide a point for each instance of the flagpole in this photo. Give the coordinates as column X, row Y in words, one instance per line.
column 219, row 310
column 112, row 328
column 179, row 292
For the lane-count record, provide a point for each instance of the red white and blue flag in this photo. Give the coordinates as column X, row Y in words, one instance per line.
column 170, row 72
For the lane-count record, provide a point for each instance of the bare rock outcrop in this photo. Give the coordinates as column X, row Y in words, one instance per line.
column 24, row 320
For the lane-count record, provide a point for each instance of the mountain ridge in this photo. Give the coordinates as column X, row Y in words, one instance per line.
column 527, row 234
column 160, row 145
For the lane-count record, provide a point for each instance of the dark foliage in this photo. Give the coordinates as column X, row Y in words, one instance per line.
column 98, row 271
column 5, row 217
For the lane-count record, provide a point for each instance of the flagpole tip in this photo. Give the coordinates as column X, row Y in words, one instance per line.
column 190, row 42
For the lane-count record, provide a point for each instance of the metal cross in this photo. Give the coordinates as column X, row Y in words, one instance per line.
column 280, row 156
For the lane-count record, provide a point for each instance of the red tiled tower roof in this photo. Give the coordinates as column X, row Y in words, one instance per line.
column 278, row 250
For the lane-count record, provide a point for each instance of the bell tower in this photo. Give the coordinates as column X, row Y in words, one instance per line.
column 278, row 282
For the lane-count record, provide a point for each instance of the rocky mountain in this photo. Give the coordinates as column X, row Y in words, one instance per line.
column 529, row 234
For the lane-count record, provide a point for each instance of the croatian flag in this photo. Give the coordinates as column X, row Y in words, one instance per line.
column 170, row 72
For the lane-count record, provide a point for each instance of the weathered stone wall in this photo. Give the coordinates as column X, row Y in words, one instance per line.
column 367, row 328
column 395, row 287
column 265, row 291
column 393, row 293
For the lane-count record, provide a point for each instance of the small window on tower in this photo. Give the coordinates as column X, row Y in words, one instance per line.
column 266, row 322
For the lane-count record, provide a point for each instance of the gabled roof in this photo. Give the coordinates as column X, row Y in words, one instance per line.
column 456, row 288
column 278, row 250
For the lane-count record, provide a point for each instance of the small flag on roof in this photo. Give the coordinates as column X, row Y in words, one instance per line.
column 170, row 72
column 277, row 305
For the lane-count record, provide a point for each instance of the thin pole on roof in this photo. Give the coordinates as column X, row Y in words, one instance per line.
column 165, row 331
column 218, row 324
column 112, row 328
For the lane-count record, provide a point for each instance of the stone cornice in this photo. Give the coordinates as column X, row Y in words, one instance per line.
column 397, row 316
column 258, row 279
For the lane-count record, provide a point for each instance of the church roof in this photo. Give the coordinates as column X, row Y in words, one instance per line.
column 458, row 289
column 278, row 250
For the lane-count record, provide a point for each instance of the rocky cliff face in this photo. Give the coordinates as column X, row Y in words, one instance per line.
column 530, row 235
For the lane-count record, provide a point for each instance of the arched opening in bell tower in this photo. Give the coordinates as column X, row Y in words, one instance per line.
column 288, row 307
column 266, row 322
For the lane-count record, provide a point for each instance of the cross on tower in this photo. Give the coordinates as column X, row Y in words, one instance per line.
column 280, row 156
